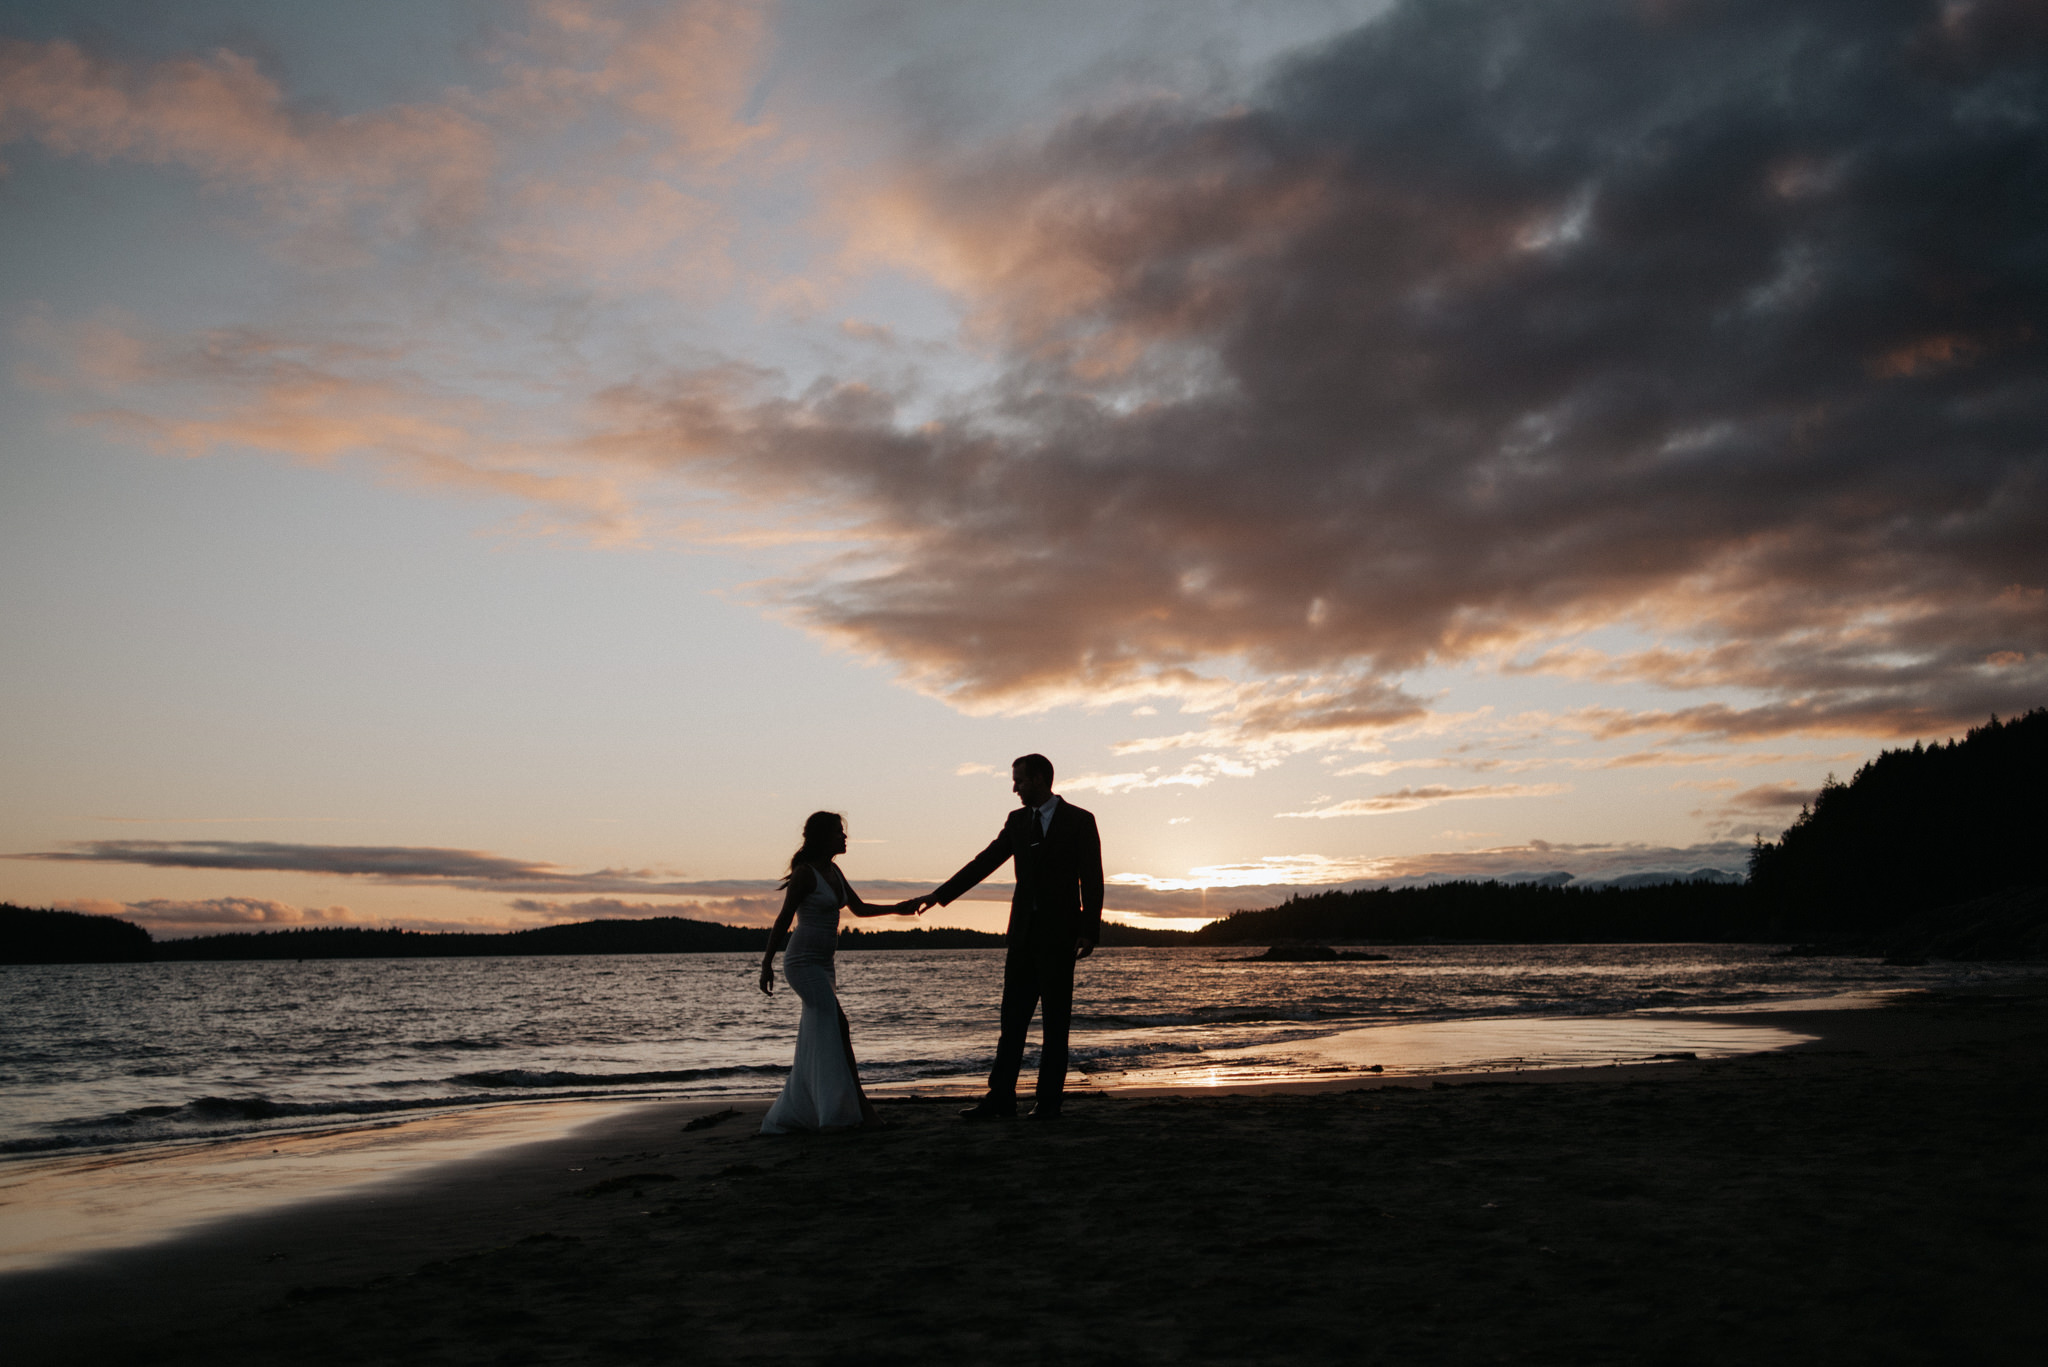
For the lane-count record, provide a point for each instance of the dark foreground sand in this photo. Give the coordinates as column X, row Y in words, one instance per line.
column 1876, row 1197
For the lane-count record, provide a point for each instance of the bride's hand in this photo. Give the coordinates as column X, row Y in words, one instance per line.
column 768, row 979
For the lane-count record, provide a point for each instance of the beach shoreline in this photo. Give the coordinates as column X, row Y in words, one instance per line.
column 635, row 1219
column 75, row 1202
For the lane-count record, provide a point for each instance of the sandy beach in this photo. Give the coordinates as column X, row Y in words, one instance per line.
column 1875, row 1195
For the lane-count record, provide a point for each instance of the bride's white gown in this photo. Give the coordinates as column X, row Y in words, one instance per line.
column 820, row 1093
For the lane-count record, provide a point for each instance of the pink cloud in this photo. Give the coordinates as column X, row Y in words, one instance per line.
column 596, row 148
column 1414, row 799
column 164, row 917
column 318, row 400
column 218, row 115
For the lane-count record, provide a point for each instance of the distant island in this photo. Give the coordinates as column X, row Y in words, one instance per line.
column 1927, row 852
column 32, row 936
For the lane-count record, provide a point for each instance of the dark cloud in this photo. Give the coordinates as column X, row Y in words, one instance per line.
column 382, row 863
column 400, row 864
column 470, row 870
column 1751, row 810
column 1773, row 797
column 1488, row 322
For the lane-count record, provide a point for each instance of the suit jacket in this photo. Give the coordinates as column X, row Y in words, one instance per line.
column 1059, row 875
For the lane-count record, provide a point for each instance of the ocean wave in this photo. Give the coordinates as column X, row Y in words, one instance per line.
column 1135, row 1050
column 37, row 1144
column 224, row 1117
column 526, row 1077
column 460, row 1042
column 1217, row 1015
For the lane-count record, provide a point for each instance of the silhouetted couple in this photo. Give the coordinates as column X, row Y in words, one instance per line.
column 1055, row 921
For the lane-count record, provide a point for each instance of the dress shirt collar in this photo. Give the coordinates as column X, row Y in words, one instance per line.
column 1045, row 812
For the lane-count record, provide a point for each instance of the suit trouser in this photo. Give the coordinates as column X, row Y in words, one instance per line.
column 1035, row 972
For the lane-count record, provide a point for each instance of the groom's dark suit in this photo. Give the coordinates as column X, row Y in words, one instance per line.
column 1058, row 901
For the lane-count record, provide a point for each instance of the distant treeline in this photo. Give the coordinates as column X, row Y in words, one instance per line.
column 1448, row 911
column 45, row 937
column 1929, row 850
column 656, row 935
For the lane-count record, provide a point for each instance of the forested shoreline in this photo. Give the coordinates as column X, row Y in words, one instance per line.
column 1928, row 851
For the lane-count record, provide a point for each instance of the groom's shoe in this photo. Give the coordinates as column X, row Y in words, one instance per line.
column 1045, row 1110
column 991, row 1108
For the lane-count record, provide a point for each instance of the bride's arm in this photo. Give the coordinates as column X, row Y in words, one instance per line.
column 800, row 884
column 860, row 908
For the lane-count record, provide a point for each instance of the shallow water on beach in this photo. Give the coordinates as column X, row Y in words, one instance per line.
column 104, row 1054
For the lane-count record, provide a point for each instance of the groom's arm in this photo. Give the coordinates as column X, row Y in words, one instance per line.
column 976, row 869
column 1091, row 883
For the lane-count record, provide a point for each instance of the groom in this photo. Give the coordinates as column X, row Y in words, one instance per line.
column 1055, row 919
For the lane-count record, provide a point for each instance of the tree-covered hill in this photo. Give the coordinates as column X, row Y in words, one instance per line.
column 1913, row 831
column 29, row 936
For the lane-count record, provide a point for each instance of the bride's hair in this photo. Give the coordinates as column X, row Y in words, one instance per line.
column 819, row 828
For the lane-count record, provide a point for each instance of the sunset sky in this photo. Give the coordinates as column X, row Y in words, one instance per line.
column 483, row 464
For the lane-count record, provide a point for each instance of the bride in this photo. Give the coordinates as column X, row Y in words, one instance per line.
column 823, row 1091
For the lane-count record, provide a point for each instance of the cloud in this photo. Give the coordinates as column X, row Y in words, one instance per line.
column 209, row 916
column 1751, row 810
column 411, row 167
column 682, row 70
column 395, row 864
column 1774, row 797
column 469, row 870
column 1414, row 799
column 1285, row 715
column 599, row 146
column 1481, row 326
column 1916, row 708
column 1739, row 759
column 1284, row 870
column 1469, row 332
column 318, row 400
column 1198, row 773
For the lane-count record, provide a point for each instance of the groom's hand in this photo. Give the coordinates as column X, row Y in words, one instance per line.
column 1083, row 947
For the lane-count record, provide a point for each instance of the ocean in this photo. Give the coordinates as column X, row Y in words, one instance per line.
column 98, row 1055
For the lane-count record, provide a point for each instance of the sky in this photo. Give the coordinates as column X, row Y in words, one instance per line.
column 477, row 466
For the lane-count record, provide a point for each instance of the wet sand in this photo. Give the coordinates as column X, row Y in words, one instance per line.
column 1877, row 1195
column 53, row 1209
